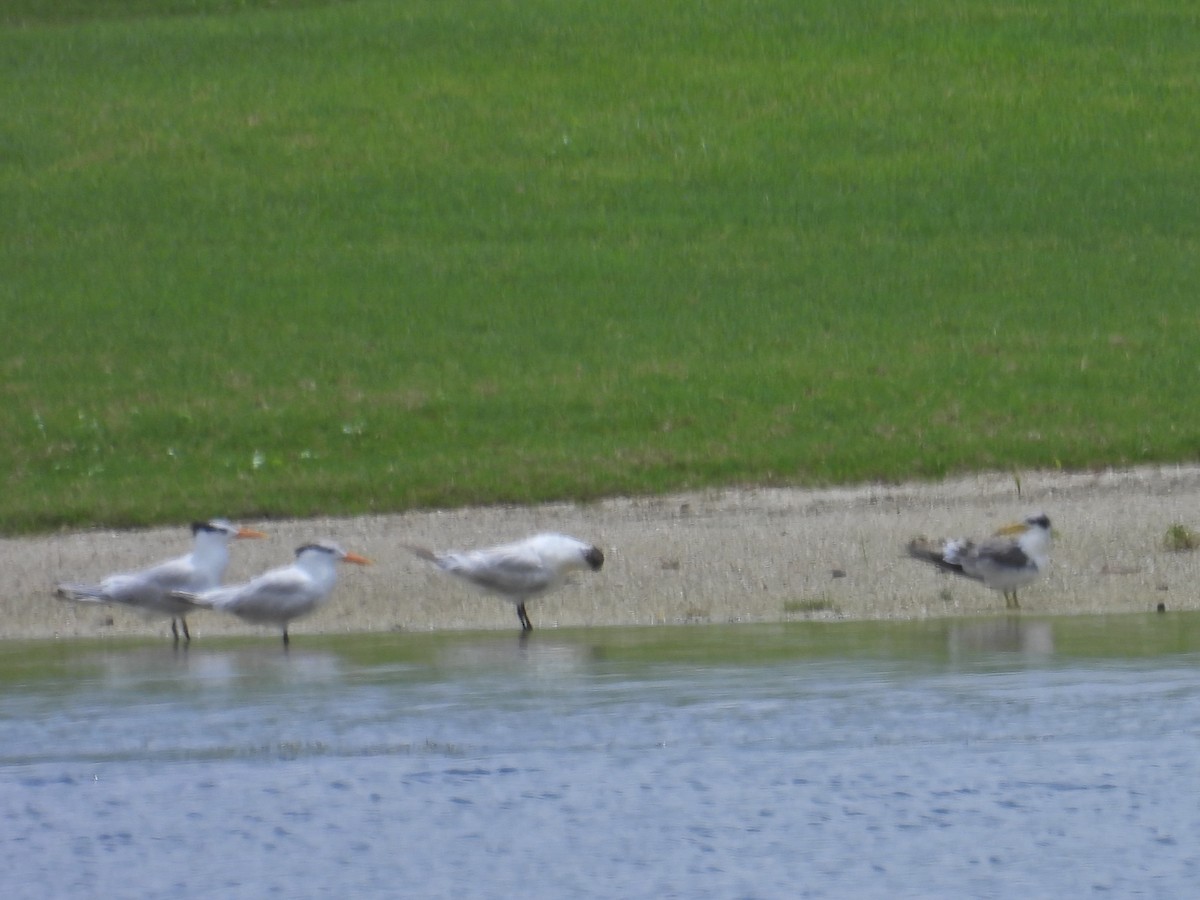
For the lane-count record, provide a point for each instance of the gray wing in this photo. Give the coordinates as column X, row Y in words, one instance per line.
column 175, row 575
column 270, row 589
column 510, row 571
column 1003, row 551
column 269, row 597
column 136, row 588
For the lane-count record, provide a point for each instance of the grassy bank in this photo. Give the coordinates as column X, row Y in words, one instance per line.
column 300, row 258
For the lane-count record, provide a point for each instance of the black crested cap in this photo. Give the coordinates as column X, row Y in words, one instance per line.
column 324, row 548
column 214, row 526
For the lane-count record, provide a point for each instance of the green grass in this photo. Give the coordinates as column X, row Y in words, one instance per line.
column 1180, row 539
column 809, row 606
column 294, row 258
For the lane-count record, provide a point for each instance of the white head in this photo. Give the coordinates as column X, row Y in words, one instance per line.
column 210, row 547
column 564, row 552
column 1032, row 534
column 1036, row 539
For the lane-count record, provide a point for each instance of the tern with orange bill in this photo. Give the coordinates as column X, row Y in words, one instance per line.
column 149, row 590
column 281, row 595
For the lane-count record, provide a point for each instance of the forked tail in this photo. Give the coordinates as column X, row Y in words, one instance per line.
column 934, row 553
column 80, row 593
column 423, row 552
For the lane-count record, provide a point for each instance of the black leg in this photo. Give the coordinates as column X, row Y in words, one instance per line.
column 187, row 635
column 526, row 625
column 174, row 630
column 286, row 640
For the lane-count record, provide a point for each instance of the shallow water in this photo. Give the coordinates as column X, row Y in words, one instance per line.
column 983, row 758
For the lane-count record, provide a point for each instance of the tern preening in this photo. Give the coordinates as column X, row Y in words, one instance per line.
column 149, row 590
column 521, row 570
column 1013, row 557
column 280, row 595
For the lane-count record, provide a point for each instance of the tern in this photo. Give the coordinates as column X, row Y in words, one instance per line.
column 282, row 594
column 149, row 590
column 520, row 570
column 1013, row 557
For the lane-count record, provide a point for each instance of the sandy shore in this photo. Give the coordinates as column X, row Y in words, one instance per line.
column 719, row 556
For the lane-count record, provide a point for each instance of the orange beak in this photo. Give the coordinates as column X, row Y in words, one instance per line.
column 355, row 558
column 250, row 533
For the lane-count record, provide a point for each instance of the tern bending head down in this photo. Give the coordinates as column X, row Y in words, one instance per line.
column 521, row 570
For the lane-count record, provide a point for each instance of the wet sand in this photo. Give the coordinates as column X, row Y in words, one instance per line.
column 745, row 555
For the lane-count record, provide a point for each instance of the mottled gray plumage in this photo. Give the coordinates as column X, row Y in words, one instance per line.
column 1013, row 557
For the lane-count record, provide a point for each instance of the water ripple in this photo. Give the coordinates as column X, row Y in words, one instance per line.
column 487, row 770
